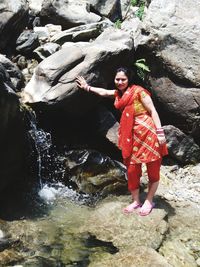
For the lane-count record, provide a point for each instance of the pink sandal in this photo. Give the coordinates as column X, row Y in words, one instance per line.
column 146, row 209
column 130, row 208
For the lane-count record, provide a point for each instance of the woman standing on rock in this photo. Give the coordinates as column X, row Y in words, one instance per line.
column 141, row 137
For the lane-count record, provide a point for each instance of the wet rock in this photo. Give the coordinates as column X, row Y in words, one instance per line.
column 8, row 257
column 13, row 137
column 7, row 243
column 133, row 257
column 91, row 172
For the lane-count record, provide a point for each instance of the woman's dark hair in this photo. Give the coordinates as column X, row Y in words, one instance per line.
column 127, row 72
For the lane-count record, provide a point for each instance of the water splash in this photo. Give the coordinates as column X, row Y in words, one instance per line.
column 55, row 191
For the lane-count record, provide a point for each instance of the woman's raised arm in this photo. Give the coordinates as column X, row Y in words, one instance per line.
column 81, row 83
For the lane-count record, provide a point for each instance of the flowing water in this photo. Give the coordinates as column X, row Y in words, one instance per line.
column 49, row 220
column 56, row 238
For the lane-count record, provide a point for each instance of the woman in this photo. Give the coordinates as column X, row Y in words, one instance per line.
column 141, row 137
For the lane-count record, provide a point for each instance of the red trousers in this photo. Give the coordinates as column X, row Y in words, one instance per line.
column 134, row 172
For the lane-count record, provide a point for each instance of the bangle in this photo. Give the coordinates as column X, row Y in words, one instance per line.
column 87, row 88
column 159, row 131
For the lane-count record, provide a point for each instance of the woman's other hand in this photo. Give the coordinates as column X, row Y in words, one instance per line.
column 81, row 83
column 161, row 140
column 161, row 136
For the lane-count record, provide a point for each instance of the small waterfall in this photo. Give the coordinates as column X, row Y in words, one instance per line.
column 42, row 144
column 46, row 163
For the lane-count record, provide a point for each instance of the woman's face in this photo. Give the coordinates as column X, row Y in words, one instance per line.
column 121, row 81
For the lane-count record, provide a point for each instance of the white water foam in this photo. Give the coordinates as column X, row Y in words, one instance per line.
column 50, row 193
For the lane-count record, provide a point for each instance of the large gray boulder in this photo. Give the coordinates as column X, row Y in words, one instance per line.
column 53, row 82
column 54, row 79
column 14, row 18
column 178, row 104
column 67, row 13
column 169, row 39
column 170, row 30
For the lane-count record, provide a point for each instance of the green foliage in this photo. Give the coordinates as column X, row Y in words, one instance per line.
column 140, row 12
column 141, row 4
column 134, row 2
column 118, row 24
column 142, row 68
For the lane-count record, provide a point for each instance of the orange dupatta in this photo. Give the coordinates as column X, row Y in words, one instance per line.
column 125, row 104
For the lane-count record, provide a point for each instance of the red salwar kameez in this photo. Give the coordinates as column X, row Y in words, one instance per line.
column 137, row 137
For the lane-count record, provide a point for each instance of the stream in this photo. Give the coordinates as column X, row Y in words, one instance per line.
column 55, row 239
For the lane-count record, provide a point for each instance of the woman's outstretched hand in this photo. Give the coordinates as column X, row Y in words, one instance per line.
column 81, row 83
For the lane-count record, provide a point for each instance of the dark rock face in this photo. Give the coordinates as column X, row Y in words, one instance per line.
column 15, row 77
column 181, row 147
column 13, row 138
column 14, row 18
column 180, row 105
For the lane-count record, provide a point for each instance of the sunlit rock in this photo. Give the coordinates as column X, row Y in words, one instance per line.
column 67, row 13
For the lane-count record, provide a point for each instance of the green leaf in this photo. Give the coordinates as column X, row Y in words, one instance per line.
column 118, row 24
column 141, row 67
